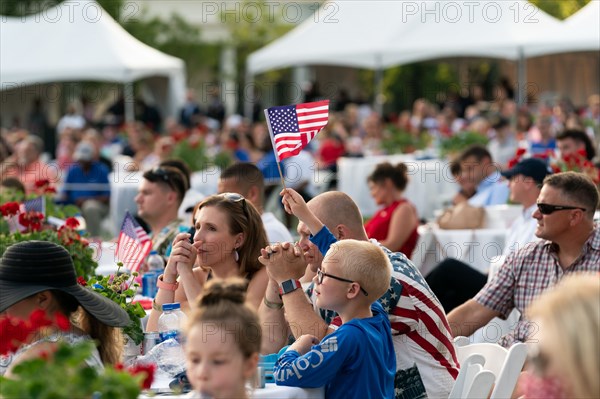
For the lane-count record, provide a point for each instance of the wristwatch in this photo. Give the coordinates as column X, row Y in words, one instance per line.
column 288, row 286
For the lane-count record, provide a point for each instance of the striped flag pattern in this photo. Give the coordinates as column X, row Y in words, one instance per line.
column 36, row 204
column 293, row 126
column 133, row 245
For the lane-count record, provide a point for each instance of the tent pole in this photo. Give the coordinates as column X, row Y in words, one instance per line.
column 378, row 84
column 249, row 95
column 521, row 79
column 129, row 103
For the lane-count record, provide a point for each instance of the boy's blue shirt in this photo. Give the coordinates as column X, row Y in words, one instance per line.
column 355, row 361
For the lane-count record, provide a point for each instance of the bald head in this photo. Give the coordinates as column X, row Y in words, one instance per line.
column 335, row 208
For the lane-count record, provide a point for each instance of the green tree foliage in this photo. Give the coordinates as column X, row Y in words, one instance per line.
column 250, row 31
column 560, row 9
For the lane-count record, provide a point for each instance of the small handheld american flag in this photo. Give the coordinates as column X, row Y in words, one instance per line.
column 134, row 245
column 293, row 126
column 36, row 204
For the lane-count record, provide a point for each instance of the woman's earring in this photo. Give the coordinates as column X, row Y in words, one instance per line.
column 236, row 256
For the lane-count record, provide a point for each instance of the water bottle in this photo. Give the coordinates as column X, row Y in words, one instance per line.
column 155, row 262
column 156, row 266
column 171, row 322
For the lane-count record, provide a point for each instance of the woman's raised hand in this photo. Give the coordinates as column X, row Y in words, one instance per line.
column 183, row 255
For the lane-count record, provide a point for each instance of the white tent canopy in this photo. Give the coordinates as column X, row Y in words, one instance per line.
column 579, row 32
column 79, row 41
column 381, row 34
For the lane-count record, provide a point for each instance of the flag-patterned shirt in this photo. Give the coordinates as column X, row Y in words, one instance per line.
column 420, row 332
column 293, row 126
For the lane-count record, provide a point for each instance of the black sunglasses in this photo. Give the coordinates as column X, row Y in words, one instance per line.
column 168, row 177
column 235, row 197
column 321, row 275
column 547, row 209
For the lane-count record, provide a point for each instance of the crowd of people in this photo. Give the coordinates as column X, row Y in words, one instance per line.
column 344, row 305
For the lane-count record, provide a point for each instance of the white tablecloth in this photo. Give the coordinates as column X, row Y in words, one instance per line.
column 474, row 247
column 123, row 189
column 271, row 391
column 430, row 182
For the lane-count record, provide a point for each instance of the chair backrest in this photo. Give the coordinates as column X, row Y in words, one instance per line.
column 505, row 364
column 472, row 381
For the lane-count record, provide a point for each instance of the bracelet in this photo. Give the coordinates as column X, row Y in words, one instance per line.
column 289, row 286
column 272, row 305
column 166, row 286
column 156, row 306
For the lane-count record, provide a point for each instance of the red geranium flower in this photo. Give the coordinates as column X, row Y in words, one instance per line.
column 81, row 281
column 42, row 183
column 72, row 223
column 31, row 220
column 10, row 208
column 14, row 331
column 147, row 369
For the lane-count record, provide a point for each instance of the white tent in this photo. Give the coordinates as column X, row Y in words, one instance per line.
column 579, row 32
column 381, row 34
column 79, row 41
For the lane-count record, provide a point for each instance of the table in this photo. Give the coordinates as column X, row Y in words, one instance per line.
column 123, row 189
column 430, row 185
column 476, row 247
column 270, row 391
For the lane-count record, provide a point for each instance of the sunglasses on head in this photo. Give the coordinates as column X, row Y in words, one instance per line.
column 168, row 177
column 235, row 197
column 547, row 209
column 321, row 275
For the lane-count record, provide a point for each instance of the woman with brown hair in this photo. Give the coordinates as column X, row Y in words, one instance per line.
column 227, row 242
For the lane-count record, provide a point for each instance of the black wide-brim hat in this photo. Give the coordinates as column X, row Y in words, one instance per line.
column 27, row 268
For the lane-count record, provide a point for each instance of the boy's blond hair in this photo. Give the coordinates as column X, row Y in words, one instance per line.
column 365, row 263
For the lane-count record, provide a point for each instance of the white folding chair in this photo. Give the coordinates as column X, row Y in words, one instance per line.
column 473, row 382
column 505, row 364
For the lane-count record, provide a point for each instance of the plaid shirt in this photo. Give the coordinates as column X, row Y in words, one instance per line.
column 526, row 274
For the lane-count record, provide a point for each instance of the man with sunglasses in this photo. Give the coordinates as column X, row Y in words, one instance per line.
column 569, row 243
column 159, row 196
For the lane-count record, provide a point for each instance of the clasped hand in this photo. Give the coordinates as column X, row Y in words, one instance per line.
column 283, row 261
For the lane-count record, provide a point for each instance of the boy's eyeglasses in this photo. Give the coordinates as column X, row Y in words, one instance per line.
column 321, row 275
column 235, row 197
column 547, row 209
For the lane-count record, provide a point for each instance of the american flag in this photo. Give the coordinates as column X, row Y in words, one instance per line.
column 133, row 245
column 293, row 126
column 36, row 204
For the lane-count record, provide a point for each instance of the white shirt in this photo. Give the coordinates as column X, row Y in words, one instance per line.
column 522, row 231
column 276, row 231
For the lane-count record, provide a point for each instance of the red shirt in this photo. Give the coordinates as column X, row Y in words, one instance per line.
column 379, row 226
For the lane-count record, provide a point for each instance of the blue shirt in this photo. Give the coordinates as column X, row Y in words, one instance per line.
column 81, row 184
column 491, row 191
column 355, row 361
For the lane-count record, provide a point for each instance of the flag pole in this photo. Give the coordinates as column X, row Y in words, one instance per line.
column 274, row 150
